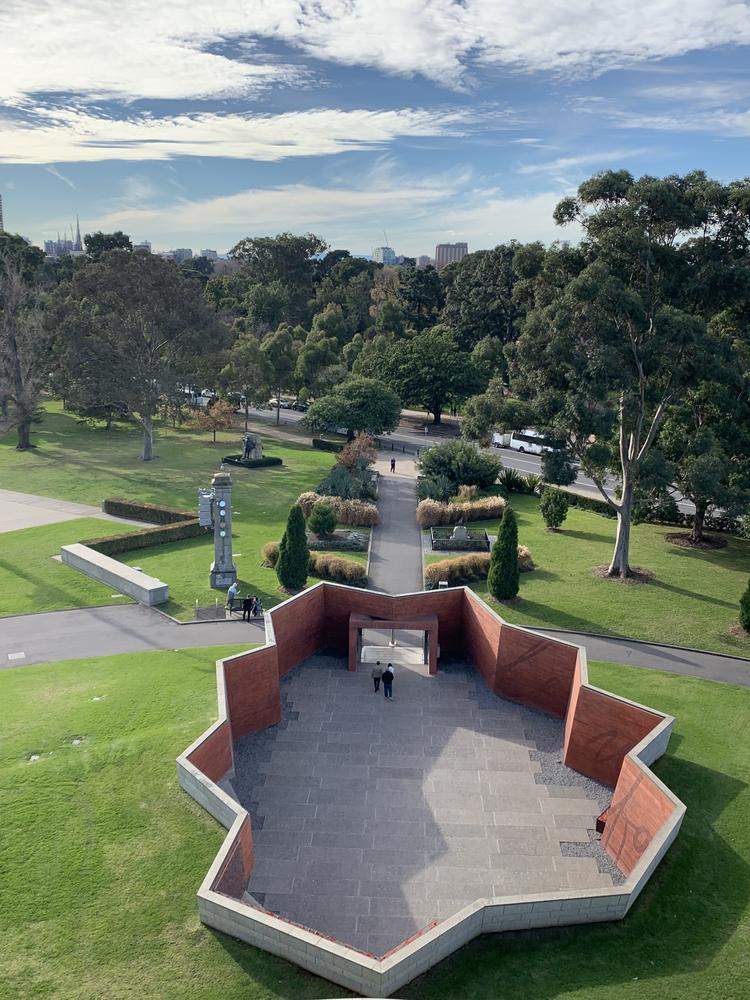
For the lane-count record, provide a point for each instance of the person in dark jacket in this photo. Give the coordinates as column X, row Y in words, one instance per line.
column 376, row 674
column 388, row 674
column 247, row 608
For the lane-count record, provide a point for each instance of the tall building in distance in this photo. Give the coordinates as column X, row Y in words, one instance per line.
column 209, row 254
column 384, row 255
column 2, row 227
column 424, row 260
column 449, row 253
column 143, row 247
column 65, row 246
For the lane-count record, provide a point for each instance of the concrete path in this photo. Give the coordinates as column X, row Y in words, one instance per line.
column 653, row 656
column 396, row 550
column 85, row 632
column 26, row 510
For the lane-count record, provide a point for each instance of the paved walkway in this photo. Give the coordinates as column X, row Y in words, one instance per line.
column 371, row 817
column 84, row 632
column 26, row 510
column 396, row 550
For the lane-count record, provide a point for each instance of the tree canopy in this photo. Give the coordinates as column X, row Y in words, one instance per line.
column 359, row 404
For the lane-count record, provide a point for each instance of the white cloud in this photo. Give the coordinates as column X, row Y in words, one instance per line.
column 733, row 124
column 175, row 50
column 417, row 213
column 586, row 159
column 73, row 135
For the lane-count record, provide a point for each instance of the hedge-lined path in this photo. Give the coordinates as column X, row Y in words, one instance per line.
column 27, row 510
column 87, row 632
column 396, row 548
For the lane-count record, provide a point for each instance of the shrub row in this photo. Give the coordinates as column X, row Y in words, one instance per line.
column 252, row 463
column 322, row 445
column 431, row 512
column 349, row 512
column 354, row 543
column 324, row 565
column 469, row 569
column 114, row 544
column 666, row 512
column 138, row 511
column 331, row 567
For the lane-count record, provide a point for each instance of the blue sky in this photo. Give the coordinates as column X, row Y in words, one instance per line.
column 195, row 126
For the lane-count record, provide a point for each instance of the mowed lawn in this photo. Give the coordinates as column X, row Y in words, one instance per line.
column 74, row 461
column 101, row 854
column 693, row 601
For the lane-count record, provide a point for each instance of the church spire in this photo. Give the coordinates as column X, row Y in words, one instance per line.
column 78, row 245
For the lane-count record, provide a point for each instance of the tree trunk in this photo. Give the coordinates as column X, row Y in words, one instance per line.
column 148, row 438
column 247, row 411
column 278, row 409
column 620, row 565
column 437, row 412
column 696, row 535
column 24, row 436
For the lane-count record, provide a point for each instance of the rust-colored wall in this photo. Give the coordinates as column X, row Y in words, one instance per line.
column 214, row 755
column 481, row 637
column 603, row 729
column 638, row 811
column 572, row 704
column 233, row 877
column 446, row 604
column 299, row 628
column 252, row 683
column 535, row 671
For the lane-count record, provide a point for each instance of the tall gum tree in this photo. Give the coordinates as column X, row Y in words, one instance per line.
column 603, row 355
column 139, row 315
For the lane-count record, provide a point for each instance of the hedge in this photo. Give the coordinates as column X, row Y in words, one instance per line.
column 138, row 511
column 114, row 544
column 325, row 565
column 349, row 512
column 470, row 568
column 173, row 525
column 252, row 463
column 642, row 514
column 431, row 513
column 322, row 445
column 353, row 543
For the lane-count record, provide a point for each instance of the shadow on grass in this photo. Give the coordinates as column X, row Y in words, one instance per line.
column 667, row 933
column 693, row 595
column 587, row 536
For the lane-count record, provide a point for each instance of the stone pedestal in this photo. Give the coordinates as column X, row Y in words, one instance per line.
column 223, row 571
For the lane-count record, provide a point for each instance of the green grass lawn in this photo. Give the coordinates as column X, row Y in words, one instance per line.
column 101, row 854
column 692, row 602
column 76, row 462
column 31, row 580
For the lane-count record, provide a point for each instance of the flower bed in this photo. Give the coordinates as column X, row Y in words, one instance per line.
column 442, row 540
column 431, row 513
column 470, row 568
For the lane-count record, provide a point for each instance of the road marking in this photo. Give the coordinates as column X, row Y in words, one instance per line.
column 16, row 656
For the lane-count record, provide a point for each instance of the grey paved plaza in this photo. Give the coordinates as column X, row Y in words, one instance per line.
column 372, row 818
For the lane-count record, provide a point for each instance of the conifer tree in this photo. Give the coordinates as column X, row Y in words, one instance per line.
column 294, row 555
column 502, row 579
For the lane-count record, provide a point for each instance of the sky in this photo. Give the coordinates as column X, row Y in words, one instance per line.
column 367, row 122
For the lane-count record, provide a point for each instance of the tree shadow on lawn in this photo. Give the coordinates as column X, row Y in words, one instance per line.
column 682, row 920
column 735, row 556
column 541, row 615
column 684, row 917
column 587, row 536
column 693, row 595
column 47, row 591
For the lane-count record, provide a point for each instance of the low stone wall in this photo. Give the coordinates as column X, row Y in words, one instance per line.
column 126, row 580
column 645, row 816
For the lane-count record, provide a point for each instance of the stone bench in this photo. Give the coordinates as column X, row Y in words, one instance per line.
column 124, row 579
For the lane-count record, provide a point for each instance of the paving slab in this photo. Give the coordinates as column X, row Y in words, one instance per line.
column 403, row 812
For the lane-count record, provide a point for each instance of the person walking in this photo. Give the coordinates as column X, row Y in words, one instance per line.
column 247, row 608
column 376, row 674
column 388, row 675
column 232, row 596
column 258, row 607
column 393, row 465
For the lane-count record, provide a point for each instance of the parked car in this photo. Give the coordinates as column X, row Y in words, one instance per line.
column 283, row 404
column 301, row 407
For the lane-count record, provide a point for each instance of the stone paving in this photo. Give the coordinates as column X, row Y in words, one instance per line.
column 372, row 818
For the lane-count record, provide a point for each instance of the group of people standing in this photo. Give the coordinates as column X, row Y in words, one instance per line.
column 252, row 607
column 386, row 676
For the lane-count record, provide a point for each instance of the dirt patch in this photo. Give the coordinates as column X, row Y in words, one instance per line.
column 638, row 575
column 683, row 538
column 739, row 632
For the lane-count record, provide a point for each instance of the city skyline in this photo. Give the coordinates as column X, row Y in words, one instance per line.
column 441, row 124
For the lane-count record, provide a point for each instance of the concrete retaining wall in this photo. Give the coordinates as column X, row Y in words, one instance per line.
column 515, row 662
column 124, row 579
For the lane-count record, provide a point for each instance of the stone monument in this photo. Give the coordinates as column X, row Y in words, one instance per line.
column 460, row 534
column 252, row 447
column 223, row 570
